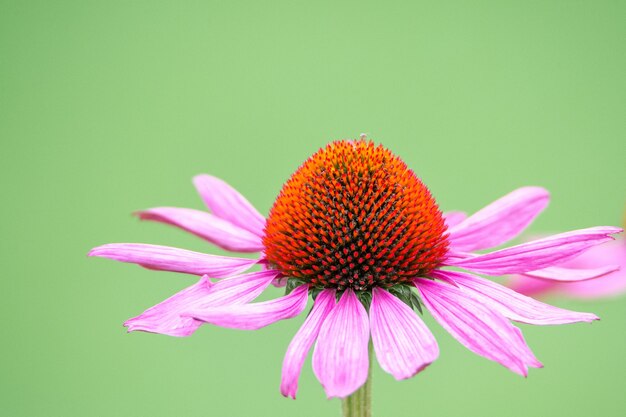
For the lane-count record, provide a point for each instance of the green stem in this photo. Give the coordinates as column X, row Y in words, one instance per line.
column 359, row 404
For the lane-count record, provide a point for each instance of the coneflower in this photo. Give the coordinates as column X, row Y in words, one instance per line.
column 358, row 231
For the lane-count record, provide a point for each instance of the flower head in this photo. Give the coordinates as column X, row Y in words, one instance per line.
column 354, row 216
column 359, row 231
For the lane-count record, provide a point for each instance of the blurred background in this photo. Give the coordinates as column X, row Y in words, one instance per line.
column 110, row 107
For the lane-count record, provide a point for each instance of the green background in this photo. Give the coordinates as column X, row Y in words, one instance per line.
column 110, row 107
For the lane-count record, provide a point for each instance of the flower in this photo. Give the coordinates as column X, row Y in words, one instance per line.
column 611, row 281
column 357, row 230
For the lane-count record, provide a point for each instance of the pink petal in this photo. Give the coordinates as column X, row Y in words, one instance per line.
column 302, row 342
column 206, row 226
column 453, row 256
column 253, row 316
column 532, row 287
column 239, row 289
column 340, row 357
column 537, row 254
column 527, row 355
column 165, row 317
column 165, row 258
column 481, row 330
column 510, row 304
column 280, row 282
column 500, row 221
column 227, row 203
column 404, row 346
column 555, row 273
column 452, row 218
column 611, row 284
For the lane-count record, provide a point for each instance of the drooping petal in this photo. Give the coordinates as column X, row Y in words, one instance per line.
column 527, row 355
column 302, row 342
column 165, row 258
column 256, row 315
column 500, row 221
column 510, row 304
column 556, row 273
column 537, row 254
column 206, row 226
column 236, row 290
column 452, row 218
column 532, row 287
column 227, row 203
column 611, row 284
column 165, row 317
column 404, row 346
column 481, row 330
column 340, row 357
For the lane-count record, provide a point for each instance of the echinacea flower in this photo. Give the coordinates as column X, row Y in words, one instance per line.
column 357, row 230
column 612, row 283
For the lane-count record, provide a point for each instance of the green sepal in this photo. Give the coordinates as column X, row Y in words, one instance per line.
column 417, row 305
column 406, row 294
column 403, row 292
column 315, row 291
column 365, row 297
column 292, row 284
